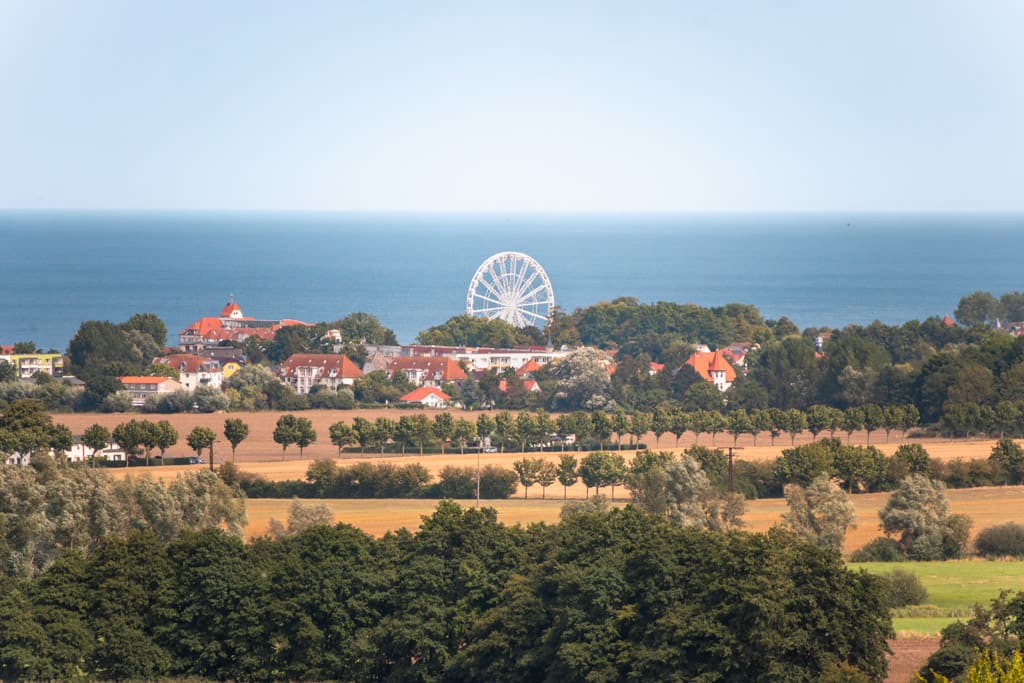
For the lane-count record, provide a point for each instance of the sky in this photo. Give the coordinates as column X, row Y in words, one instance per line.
column 527, row 106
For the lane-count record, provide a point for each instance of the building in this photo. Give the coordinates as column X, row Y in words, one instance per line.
column 427, row 371
column 474, row 358
column 303, row 371
column 230, row 358
column 141, row 388
column 79, row 453
column 428, row 397
column 28, row 364
column 713, row 367
column 230, row 325
column 194, row 371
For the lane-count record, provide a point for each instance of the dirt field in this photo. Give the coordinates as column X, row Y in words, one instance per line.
column 909, row 655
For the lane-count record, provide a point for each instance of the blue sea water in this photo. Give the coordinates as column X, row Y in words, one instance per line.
column 412, row 271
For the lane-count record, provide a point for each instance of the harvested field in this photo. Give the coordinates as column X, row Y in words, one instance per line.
column 987, row 506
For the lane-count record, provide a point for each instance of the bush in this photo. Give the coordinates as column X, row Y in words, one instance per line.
column 1005, row 540
column 882, row 549
column 905, row 588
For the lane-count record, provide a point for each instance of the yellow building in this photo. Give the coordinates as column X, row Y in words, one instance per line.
column 28, row 364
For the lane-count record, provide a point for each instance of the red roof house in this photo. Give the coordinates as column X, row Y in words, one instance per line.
column 430, row 371
column 305, row 370
column 430, row 397
column 231, row 325
column 713, row 367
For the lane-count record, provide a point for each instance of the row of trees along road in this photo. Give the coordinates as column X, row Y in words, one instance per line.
column 535, row 429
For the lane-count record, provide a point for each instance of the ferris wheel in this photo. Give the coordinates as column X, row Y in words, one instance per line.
column 513, row 287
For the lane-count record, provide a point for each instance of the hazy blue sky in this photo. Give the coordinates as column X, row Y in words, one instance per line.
column 524, row 106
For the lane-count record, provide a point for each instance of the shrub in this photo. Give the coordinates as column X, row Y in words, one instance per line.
column 882, row 549
column 1005, row 540
column 905, row 588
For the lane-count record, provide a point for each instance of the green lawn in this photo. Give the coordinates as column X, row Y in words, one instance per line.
column 953, row 586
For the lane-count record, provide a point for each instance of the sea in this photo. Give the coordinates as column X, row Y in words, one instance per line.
column 412, row 271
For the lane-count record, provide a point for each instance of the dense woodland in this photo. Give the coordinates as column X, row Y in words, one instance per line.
column 604, row 595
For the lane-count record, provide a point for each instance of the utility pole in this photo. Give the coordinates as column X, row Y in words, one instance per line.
column 732, row 489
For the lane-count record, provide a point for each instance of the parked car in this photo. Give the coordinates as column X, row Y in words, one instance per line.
column 490, row 449
column 196, row 461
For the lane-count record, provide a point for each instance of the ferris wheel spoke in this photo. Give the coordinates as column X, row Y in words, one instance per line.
column 491, row 309
column 490, row 287
column 497, row 281
column 525, row 283
column 536, row 316
column 488, row 299
column 536, row 290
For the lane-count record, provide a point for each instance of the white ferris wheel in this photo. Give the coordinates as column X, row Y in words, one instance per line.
column 511, row 286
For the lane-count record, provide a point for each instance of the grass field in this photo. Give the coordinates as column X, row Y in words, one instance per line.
column 953, row 587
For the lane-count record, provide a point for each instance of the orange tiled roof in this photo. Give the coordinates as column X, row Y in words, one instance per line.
column 947, row 321
column 230, row 308
column 417, row 395
column 338, row 363
column 713, row 361
column 188, row 362
column 657, row 367
column 151, row 379
column 528, row 367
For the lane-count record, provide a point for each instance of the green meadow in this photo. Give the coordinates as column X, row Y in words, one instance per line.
column 954, row 587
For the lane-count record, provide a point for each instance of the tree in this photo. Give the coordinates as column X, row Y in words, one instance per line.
column 820, row 513
column 977, row 309
column 61, row 441
column 485, row 427
column 421, row 430
column 680, row 424
column 739, row 423
column 546, row 476
column 661, row 422
column 913, row 457
column 602, row 427
column 865, row 467
column 760, row 421
column 444, row 428
column 639, row 425
column 918, row 514
column 96, row 438
column 910, row 417
column 567, row 474
column 130, row 436
column 463, row 432
column 853, row 419
column 383, row 431
column 528, row 470
column 200, row 438
column 342, row 435
column 286, row 432
column 681, row 490
column 304, row 433
column 1009, row 456
column 794, row 422
column 715, row 424
column 166, row 436
column 236, row 431
column 620, row 425
column 819, row 419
